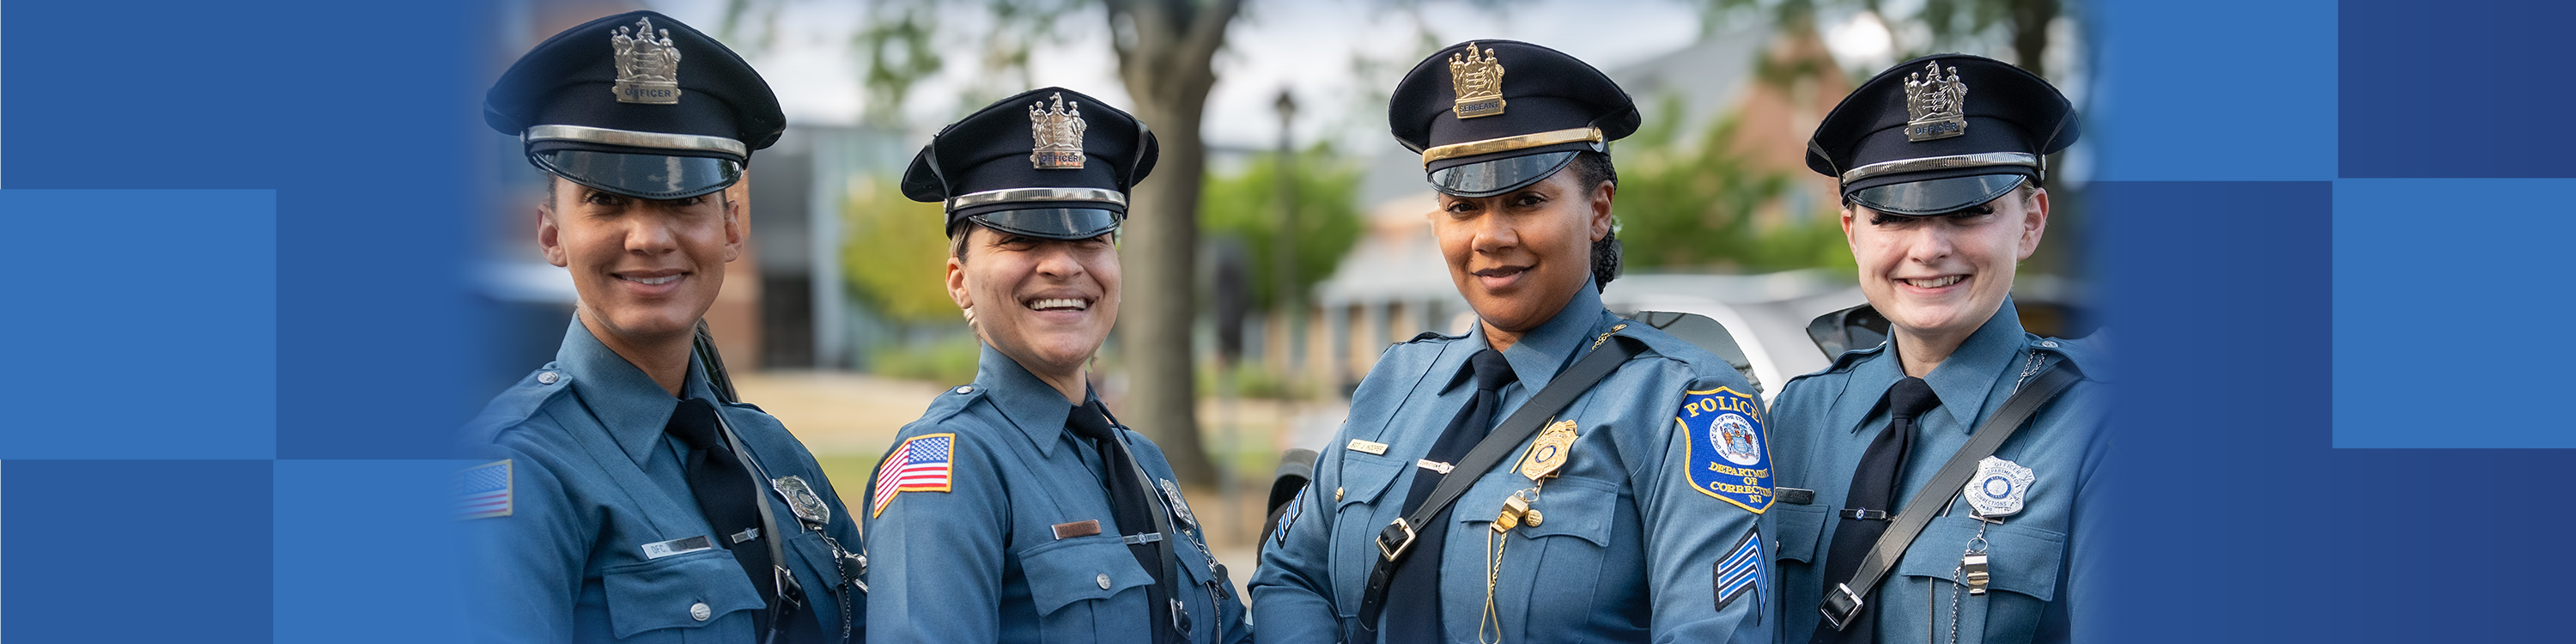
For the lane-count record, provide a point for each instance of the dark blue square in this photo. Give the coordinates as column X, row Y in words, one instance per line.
column 105, row 552
column 2473, row 88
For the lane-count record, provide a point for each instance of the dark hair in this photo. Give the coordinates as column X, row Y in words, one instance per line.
column 1593, row 169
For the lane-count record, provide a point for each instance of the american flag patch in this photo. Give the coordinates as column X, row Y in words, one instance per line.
column 483, row 491
column 920, row 464
column 1740, row 572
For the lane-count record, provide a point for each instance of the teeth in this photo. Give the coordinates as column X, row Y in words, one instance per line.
column 1060, row 303
column 656, row 281
column 1937, row 282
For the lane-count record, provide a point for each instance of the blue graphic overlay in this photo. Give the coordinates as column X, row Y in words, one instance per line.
column 142, row 551
column 2162, row 110
column 399, row 583
column 2477, row 88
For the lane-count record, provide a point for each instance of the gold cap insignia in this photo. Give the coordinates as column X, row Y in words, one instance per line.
column 1936, row 105
column 1058, row 131
column 1547, row 454
column 1478, row 81
column 648, row 67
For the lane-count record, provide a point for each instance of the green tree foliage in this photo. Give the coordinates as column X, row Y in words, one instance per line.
column 895, row 253
column 1245, row 206
column 1690, row 205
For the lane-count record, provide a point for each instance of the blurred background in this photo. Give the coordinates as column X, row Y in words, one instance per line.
column 1281, row 243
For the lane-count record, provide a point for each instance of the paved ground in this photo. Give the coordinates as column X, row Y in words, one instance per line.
column 848, row 420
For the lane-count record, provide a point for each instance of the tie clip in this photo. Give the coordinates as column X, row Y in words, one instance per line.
column 1436, row 466
column 746, row 534
column 1864, row 514
column 1142, row 538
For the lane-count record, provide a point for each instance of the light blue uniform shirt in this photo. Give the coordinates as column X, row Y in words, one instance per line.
column 1827, row 420
column 593, row 479
column 1628, row 548
column 981, row 561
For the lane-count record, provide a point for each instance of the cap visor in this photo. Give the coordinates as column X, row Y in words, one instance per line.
column 1051, row 223
column 1936, row 196
column 1489, row 178
column 647, row 176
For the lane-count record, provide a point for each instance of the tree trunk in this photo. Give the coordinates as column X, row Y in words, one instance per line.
column 1166, row 51
column 2030, row 20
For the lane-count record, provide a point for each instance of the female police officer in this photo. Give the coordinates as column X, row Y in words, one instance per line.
column 632, row 503
column 1016, row 510
column 1926, row 447
column 1629, row 517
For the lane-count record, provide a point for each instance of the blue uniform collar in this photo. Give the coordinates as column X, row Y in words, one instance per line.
column 1545, row 350
column 1030, row 403
column 1962, row 381
column 627, row 402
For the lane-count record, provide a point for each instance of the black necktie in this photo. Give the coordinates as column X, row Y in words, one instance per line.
column 1872, row 503
column 1413, row 596
column 726, row 494
column 1132, row 505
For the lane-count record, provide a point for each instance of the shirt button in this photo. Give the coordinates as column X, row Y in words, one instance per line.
column 547, row 377
column 966, row 389
column 1337, row 495
column 2051, row 344
column 700, row 612
column 1103, row 579
column 1533, row 518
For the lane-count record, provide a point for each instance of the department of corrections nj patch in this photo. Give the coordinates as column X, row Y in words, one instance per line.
column 920, row 464
column 1729, row 457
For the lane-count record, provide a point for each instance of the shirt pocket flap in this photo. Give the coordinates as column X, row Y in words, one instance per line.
column 1363, row 477
column 1574, row 507
column 667, row 592
column 2020, row 559
column 1798, row 529
column 1072, row 570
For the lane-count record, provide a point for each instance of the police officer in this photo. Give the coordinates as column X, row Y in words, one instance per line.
column 1017, row 509
column 628, row 502
column 1941, row 161
column 1624, row 510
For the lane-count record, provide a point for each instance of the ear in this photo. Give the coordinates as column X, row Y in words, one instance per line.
column 549, row 236
column 1850, row 212
column 2034, row 223
column 1602, row 195
column 957, row 277
column 737, row 214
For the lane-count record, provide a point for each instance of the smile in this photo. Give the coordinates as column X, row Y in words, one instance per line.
column 1936, row 282
column 1059, row 304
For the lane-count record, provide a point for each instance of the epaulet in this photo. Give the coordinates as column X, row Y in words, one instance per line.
column 1842, row 363
column 952, row 402
column 518, row 403
column 2088, row 354
column 1431, row 335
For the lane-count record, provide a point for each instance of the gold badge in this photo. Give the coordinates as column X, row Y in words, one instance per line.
column 648, row 67
column 1372, row 447
column 1547, row 454
column 1058, row 131
column 1936, row 105
column 1478, row 81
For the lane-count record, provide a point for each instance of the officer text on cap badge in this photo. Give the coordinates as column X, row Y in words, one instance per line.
column 1478, row 82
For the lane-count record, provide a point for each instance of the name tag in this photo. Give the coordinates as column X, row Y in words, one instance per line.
column 677, row 547
column 1372, row 447
column 1077, row 529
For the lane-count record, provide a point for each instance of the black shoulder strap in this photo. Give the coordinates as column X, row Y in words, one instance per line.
column 1397, row 539
column 1843, row 601
column 717, row 378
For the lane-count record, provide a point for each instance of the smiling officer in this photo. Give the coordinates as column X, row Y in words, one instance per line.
column 1557, row 474
column 1953, row 465
column 630, row 503
column 1017, row 509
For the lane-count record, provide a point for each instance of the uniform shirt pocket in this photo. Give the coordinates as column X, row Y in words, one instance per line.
column 1363, row 478
column 1573, row 507
column 1796, row 530
column 2022, row 566
column 681, row 591
column 1083, row 568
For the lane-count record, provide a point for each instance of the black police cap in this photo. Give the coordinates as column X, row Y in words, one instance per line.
column 1526, row 112
column 636, row 104
column 1941, row 133
column 1049, row 162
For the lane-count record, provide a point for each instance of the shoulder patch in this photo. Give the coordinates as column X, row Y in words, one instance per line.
column 517, row 404
column 483, row 491
column 921, row 464
column 1728, row 456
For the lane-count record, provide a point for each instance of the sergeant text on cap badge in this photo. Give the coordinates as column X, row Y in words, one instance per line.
column 1058, row 131
column 1935, row 105
column 648, row 67
column 1478, row 81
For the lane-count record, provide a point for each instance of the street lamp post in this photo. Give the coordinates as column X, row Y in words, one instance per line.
column 1284, row 246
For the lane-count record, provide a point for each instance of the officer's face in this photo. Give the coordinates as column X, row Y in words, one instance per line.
column 1518, row 257
column 1943, row 276
column 1046, row 303
column 645, row 269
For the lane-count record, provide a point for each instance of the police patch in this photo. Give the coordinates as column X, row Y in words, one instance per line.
column 1728, row 457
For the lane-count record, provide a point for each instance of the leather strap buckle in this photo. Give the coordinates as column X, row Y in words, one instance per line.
column 1840, row 606
column 1390, row 535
